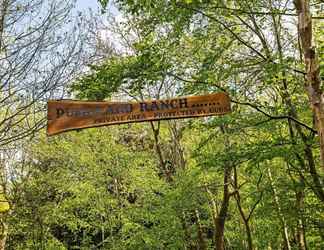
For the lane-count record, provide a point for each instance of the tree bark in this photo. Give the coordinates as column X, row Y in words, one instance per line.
column 301, row 236
column 300, row 196
column 177, row 151
column 280, row 214
column 317, row 188
column 245, row 218
column 313, row 80
column 201, row 237
column 221, row 217
column 163, row 168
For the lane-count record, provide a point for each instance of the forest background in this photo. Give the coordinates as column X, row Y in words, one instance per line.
column 252, row 179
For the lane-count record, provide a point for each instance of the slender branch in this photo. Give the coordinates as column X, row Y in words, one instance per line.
column 281, row 117
column 271, row 117
column 236, row 36
column 254, row 206
column 234, row 11
column 228, row 29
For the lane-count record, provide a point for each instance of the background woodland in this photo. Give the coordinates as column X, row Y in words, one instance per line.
column 252, row 179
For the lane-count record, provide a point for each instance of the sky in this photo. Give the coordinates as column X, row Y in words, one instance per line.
column 85, row 4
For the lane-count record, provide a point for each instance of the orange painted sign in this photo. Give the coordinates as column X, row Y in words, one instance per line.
column 66, row 115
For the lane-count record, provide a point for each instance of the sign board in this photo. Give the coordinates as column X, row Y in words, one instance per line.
column 66, row 115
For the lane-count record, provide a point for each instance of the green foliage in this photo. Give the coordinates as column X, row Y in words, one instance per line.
column 82, row 188
column 103, row 4
column 4, row 204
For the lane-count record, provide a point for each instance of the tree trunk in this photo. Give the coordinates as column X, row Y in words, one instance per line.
column 177, row 151
column 301, row 237
column 201, row 237
column 300, row 195
column 313, row 80
column 221, row 217
column 249, row 235
column 280, row 214
column 317, row 188
column 163, row 168
column 245, row 218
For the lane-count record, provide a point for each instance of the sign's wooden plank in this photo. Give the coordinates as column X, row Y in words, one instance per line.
column 66, row 115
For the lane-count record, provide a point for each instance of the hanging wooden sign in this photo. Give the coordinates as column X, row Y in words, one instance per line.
column 66, row 115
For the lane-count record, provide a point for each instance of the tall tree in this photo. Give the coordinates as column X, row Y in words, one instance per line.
column 313, row 85
column 40, row 52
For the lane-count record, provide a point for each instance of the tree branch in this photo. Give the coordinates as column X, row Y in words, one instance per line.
column 271, row 117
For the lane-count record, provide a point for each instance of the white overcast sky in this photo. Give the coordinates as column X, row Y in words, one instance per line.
column 85, row 4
